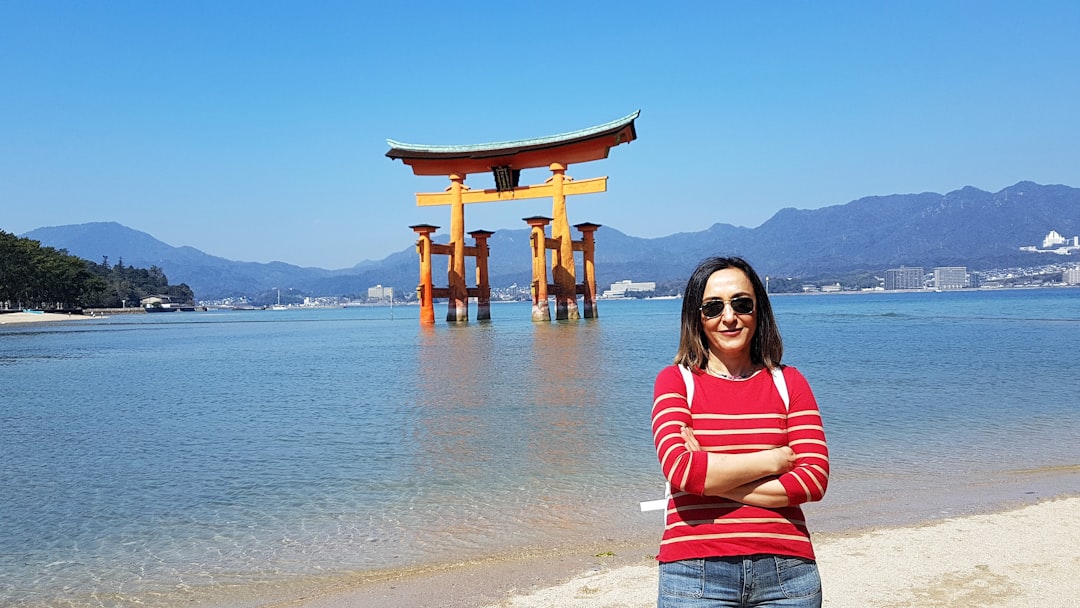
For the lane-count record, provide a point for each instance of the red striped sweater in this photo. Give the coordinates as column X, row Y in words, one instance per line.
column 736, row 416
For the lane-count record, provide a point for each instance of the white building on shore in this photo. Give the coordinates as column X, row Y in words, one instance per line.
column 380, row 293
column 1055, row 243
column 904, row 277
column 950, row 277
column 622, row 289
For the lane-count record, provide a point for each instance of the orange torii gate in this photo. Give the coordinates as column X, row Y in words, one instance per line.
column 506, row 160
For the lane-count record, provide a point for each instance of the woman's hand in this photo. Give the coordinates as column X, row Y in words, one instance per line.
column 785, row 459
column 691, row 442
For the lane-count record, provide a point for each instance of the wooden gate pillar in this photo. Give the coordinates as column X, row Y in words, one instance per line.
column 424, row 289
column 540, row 309
column 562, row 263
column 588, row 253
column 483, row 284
column 458, row 304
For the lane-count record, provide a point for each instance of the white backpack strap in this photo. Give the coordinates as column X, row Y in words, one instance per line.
column 781, row 386
column 657, row 505
column 688, row 379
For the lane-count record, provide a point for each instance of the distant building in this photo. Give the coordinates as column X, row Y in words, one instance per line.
column 1053, row 238
column 950, row 277
column 1071, row 276
column 622, row 289
column 1055, row 243
column 159, row 300
column 380, row 293
column 905, row 277
column 830, row 288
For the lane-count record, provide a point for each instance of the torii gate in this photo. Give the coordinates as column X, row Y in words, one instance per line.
column 506, row 160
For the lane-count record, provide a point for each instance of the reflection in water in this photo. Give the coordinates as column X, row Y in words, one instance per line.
column 537, row 379
column 562, row 368
column 505, row 422
column 453, row 401
column 508, row 397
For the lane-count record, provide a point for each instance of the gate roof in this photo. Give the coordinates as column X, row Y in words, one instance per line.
column 584, row 145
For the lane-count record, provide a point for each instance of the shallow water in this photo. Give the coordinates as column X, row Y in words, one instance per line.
column 146, row 455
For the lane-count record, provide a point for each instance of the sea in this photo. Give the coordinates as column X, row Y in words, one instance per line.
column 192, row 457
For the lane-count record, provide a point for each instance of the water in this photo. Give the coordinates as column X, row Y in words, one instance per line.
column 149, row 458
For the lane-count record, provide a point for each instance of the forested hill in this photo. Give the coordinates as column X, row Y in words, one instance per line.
column 967, row 227
column 36, row 276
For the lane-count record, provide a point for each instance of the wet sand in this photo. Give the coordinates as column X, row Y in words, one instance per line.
column 1016, row 558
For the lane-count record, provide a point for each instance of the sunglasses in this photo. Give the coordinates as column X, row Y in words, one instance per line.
column 742, row 305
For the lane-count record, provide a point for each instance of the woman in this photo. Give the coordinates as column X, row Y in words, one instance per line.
column 741, row 457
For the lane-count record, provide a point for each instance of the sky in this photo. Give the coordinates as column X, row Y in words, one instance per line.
column 256, row 130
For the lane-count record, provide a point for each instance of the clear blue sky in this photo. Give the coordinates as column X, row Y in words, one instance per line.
column 257, row 130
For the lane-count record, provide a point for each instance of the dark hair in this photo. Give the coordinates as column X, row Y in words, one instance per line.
column 766, row 347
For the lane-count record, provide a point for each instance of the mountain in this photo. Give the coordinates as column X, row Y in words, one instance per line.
column 967, row 227
column 208, row 276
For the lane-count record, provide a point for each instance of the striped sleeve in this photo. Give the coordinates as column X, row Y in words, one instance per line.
column 809, row 479
column 684, row 470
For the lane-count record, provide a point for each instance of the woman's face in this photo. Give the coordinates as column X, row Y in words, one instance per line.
column 730, row 333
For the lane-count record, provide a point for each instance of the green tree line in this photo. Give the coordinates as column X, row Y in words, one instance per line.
column 32, row 276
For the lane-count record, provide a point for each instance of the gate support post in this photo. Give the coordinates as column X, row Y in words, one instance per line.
column 562, row 263
column 483, row 284
column 457, row 309
column 588, row 253
column 540, row 309
column 424, row 289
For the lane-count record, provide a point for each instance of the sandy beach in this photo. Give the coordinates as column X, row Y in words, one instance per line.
column 19, row 318
column 1019, row 558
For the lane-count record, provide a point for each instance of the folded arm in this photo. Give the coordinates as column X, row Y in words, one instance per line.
column 782, row 476
column 729, row 473
column 769, row 493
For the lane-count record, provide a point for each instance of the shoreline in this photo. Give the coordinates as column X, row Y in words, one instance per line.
column 607, row 571
column 1019, row 556
column 1000, row 544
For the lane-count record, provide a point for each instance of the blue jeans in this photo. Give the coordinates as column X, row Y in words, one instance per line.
column 772, row 581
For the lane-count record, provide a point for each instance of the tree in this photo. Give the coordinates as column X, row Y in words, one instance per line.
column 15, row 267
column 44, row 277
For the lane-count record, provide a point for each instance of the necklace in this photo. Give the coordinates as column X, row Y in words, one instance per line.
column 713, row 372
